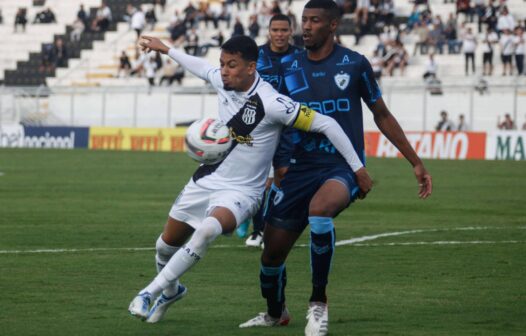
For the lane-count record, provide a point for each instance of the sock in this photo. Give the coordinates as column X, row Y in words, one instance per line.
column 163, row 255
column 322, row 249
column 273, row 281
column 186, row 257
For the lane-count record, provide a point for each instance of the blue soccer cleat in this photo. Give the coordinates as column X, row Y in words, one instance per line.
column 162, row 304
column 242, row 229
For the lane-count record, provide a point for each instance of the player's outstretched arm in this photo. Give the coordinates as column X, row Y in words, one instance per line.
column 388, row 125
column 195, row 65
column 309, row 120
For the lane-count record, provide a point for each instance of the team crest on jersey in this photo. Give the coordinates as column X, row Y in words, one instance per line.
column 342, row 80
column 249, row 115
column 278, row 197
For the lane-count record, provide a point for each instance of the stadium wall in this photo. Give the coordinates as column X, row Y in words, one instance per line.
column 499, row 145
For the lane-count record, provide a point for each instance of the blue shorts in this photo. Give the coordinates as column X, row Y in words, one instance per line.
column 285, row 148
column 289, row 210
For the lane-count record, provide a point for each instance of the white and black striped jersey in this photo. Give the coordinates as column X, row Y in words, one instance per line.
column 255, row 119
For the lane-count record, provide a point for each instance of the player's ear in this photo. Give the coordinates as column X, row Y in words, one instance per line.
column 251, row 67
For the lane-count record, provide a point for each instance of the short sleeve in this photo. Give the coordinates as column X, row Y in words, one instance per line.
column 369, row 90
column 282, row 110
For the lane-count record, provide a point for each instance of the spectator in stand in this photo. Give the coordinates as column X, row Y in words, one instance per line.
column 253, row 27
column 275, row 9
column 464, row 7
column 462, row 124
column 83, row 16
column 506, row 124
column 431, row 68
column 398, row 58
column 505, row 21
column 362, row 12
column 45, row 16
column 102, row 19
column 160, row 3
column 190, row 14
column 479, row 10
column 453, row 43
column 469, row 44
column 506, row 49
column 436, row 39
column 177, row 29
column 226, row 14
column 491, row 14
column 239, row 30
column 192, row 43
column 61, row 53
column 77, row 30
column 422, row 31
column 387, row 12
column 124, row 65
column 21, row 19
column 47, row 57
column 172, row 72
column 444, row 125
column 518, row 44
column 150, row 67
column 137, row 21
column 377, row 64
column 489, row 41
column 150, row 17
column 413, row 18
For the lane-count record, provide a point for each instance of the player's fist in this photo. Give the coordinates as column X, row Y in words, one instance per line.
column 364, row 182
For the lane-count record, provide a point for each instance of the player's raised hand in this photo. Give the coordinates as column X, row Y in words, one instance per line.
column 149, row 43
column 364, row 182
column 425, row 182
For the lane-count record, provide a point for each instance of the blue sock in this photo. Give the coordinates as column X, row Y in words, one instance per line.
column 273, row 281
column 322, row 237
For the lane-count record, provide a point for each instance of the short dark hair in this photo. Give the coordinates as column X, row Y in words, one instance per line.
column 243, row 45
column 279, row 17
column 329, row 6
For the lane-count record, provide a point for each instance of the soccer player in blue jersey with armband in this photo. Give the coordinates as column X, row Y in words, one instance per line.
column 333, row 81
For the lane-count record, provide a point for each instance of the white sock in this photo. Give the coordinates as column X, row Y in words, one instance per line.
column 186, row 257
column 163, row 255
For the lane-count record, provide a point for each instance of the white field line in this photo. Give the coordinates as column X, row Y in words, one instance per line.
column 354, row 241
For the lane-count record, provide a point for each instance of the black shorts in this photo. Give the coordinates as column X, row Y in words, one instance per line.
column 506, row 59
column 487, row 58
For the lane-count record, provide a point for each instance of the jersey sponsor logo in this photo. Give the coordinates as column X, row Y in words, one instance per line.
column 249, row 115
column 242, row 139
column 319, row 74
column 342, row 80
column 290, row 106
column 294, row 65
column 345, row 61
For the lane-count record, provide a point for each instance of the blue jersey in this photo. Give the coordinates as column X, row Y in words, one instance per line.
column 335, row 87
column 269, row 62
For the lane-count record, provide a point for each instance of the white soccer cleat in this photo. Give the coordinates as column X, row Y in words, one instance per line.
column 318, row 319
column 255, row 239
column 162, row 304
column 140, row 305
column 265, row 320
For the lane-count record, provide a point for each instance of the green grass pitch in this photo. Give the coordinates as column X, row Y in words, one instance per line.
column 457, row 266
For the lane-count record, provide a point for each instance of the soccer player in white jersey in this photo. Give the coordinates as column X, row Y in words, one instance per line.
column 218, row 197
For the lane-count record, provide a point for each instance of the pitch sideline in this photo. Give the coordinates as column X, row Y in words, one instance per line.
column 358, row 241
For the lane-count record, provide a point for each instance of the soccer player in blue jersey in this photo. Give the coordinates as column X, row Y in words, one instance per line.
column 268, row 67
column 332, row 80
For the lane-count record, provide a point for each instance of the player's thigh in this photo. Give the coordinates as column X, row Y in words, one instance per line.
column 338, row 190
column 232, row 207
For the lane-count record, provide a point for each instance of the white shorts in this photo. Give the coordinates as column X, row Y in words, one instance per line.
column 196, row 202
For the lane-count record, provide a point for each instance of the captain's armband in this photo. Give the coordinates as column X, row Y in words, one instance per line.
column 304, row 119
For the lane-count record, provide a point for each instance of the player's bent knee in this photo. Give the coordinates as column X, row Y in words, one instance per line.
column 164, row 251
column 324, row 210
column 209, row 230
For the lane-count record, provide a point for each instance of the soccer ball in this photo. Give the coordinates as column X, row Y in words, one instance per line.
column 208, row 141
